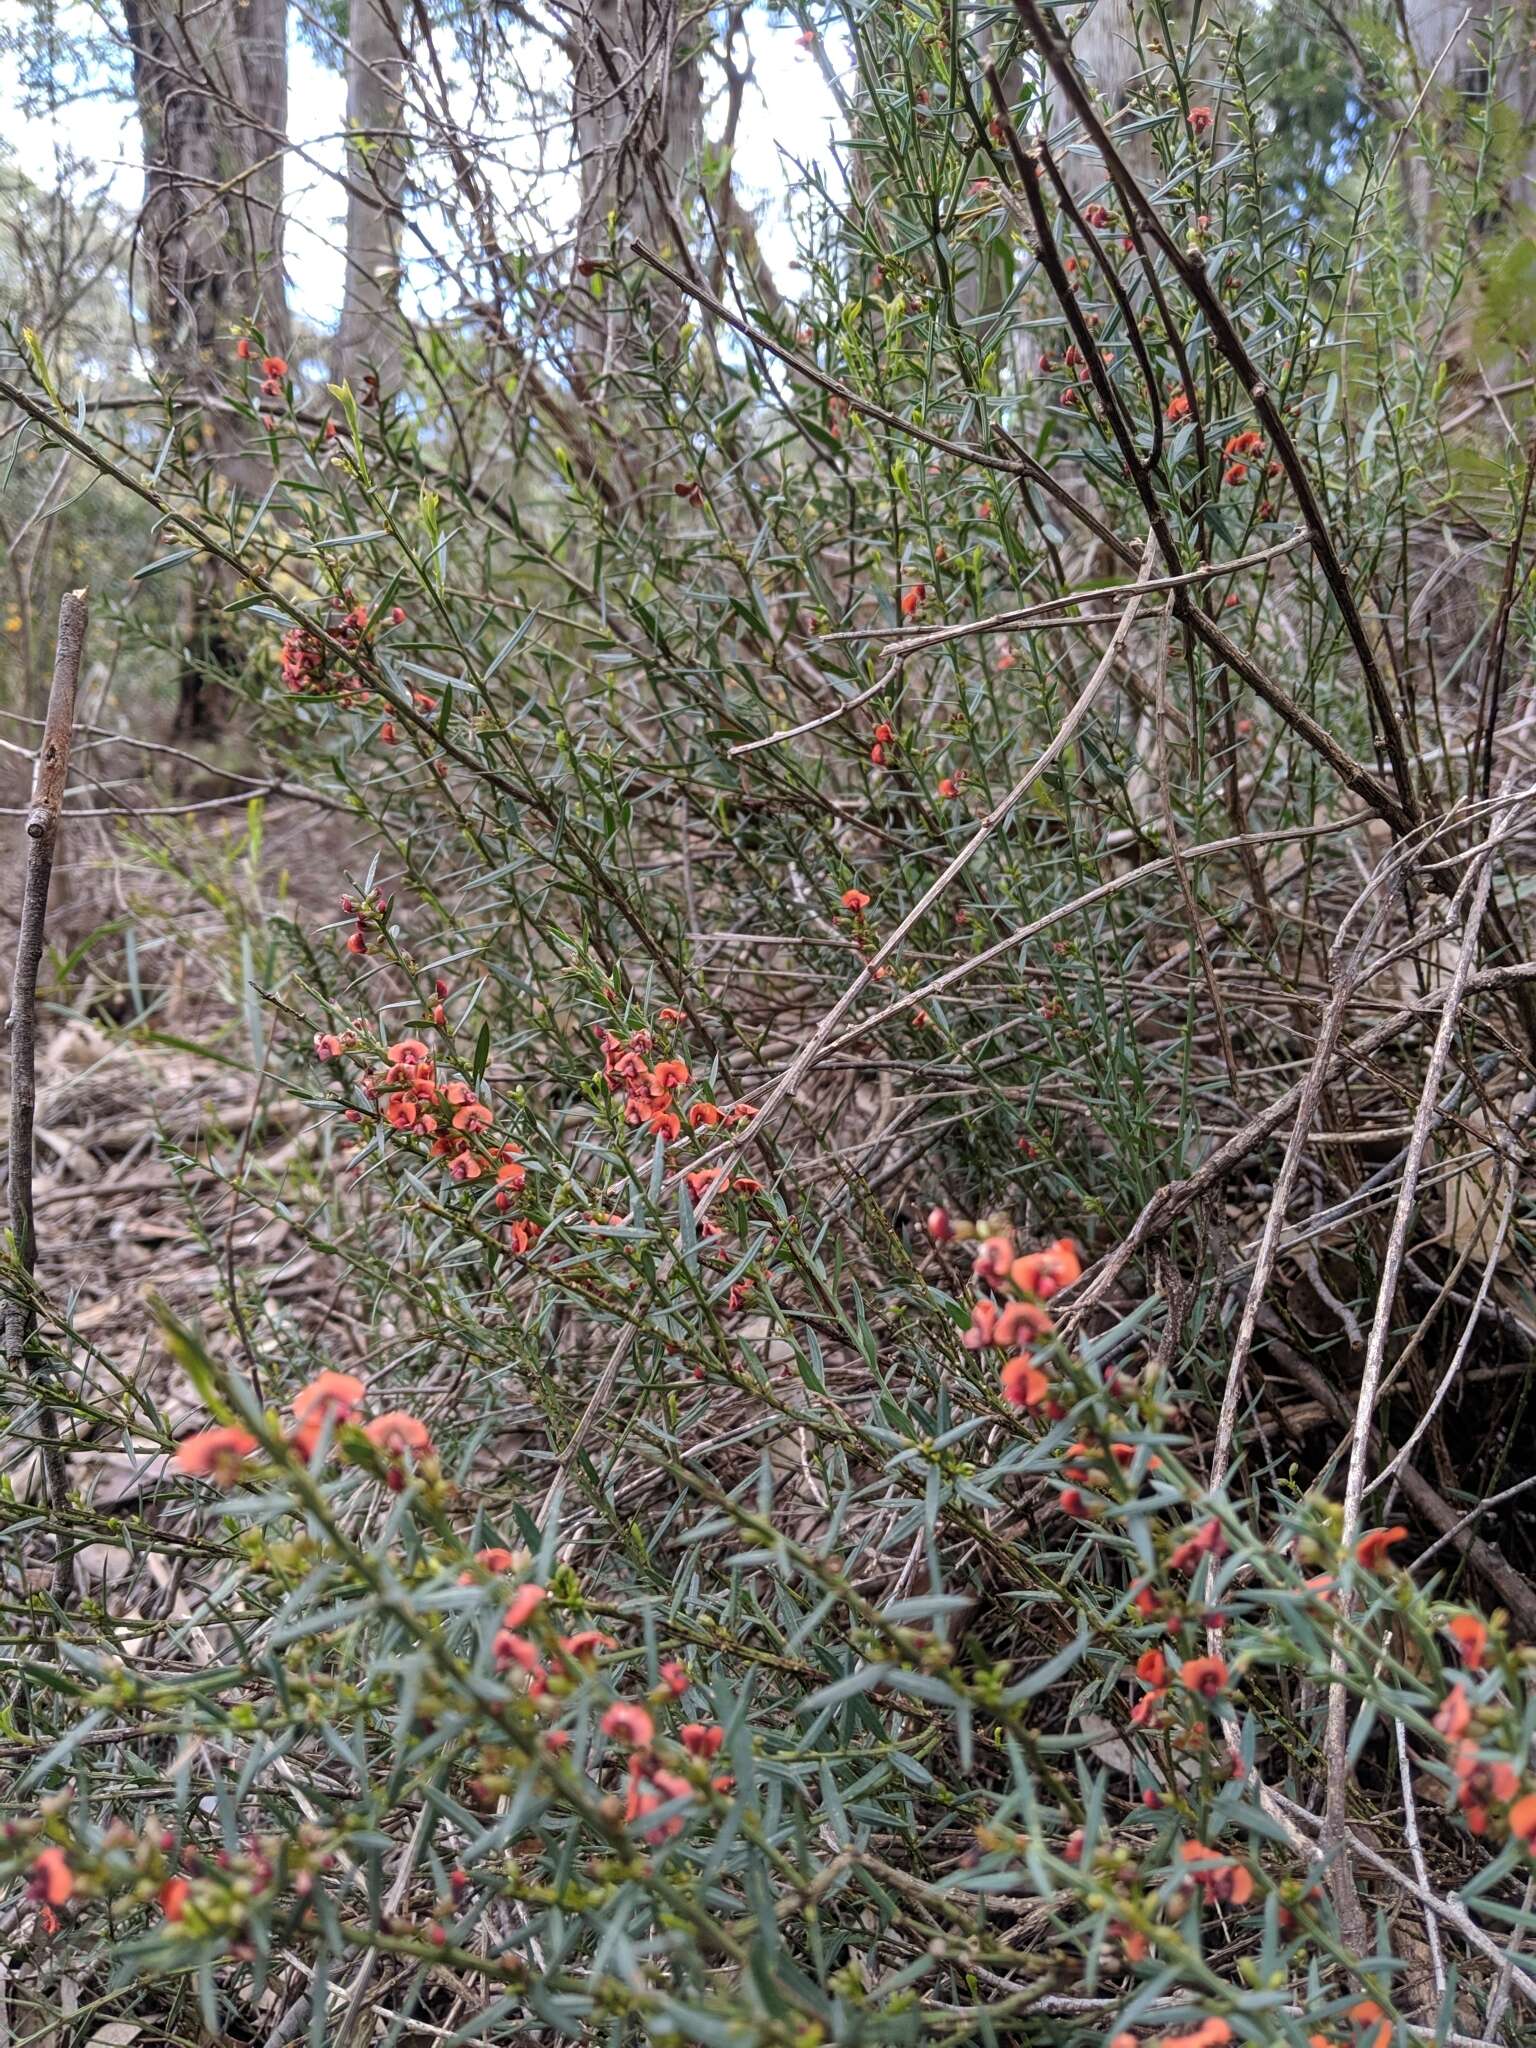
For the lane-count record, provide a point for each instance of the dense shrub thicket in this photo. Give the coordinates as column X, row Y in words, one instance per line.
column 910, row 1109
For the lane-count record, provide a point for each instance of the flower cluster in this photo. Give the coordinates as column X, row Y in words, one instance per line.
column 655, row 1791
column 194, row 1894
column 412, row 1097
column 274, row 369
column 310, row 664
column 372, row 914
column 1239, row 449
column 1010, row 1314
column 1486, row 1785
column 225, row 1453
column 651, row 1088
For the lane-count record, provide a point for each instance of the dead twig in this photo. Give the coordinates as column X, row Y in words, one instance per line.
column 1336, row 1744
column 48, row 783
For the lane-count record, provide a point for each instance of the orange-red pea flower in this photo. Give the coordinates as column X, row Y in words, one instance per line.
column 630, row 1724
column 1522, row 1822
column 1212, row 2033
column 675, row 1678
column 855, row 900
column 1470, row 1635
column 1148, row 1709
column 652, row 1790
column 523, row 1604
column 216, row 1454
column 912, row 599
column 983, row 1330
column 397, row 1433
column 243, row 349
column 1219, row 1878
column 1152, row 1668
column 332, row 1396
column 1454, row 1716
column 1045, row 1273
column 701, row 1739
column 1373, row 2028
column 1209, row 1540
column 494, row 1559
column 1206, row 1676
column 1371, row 1550
column 510, row 1648
column 948, row 787
column 993, row 1260
column 173, row 1897
column 704, row 1116
column 1023, row 1384
column 1178, row 408
column 1201, row 119
column 1021, row 1323
column 1481, row 1782
column 583, row 1647
column 51, row 1881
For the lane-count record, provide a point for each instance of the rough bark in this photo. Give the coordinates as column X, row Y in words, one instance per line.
column 212, row 90
column 1115, row 63
column 211, row 81
column 369, row 336
column 637, row 115
column 1456, row 45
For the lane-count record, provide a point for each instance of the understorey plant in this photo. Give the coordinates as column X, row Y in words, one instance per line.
column 1026, row 730
column 802, row 1814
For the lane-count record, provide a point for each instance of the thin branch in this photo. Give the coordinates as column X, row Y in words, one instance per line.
column 48, row 783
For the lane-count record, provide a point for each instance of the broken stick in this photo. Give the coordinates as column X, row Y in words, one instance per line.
column 48, row 783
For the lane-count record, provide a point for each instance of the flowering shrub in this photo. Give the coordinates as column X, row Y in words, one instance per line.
column 597, row 1567
column 558, row 1741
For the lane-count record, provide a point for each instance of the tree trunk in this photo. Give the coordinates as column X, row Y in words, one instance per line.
column 212, row 91
column 368, row 336
column 637, row 116
column 1109, row 52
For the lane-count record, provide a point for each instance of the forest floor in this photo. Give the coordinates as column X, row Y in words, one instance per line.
column 156, row 1117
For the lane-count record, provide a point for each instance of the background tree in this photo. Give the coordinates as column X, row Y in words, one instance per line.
column 211, row 84
column 375, row 172
column 636, row 115
column 784, row 1262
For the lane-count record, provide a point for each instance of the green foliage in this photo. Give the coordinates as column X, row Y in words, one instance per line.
column 645, row 1585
